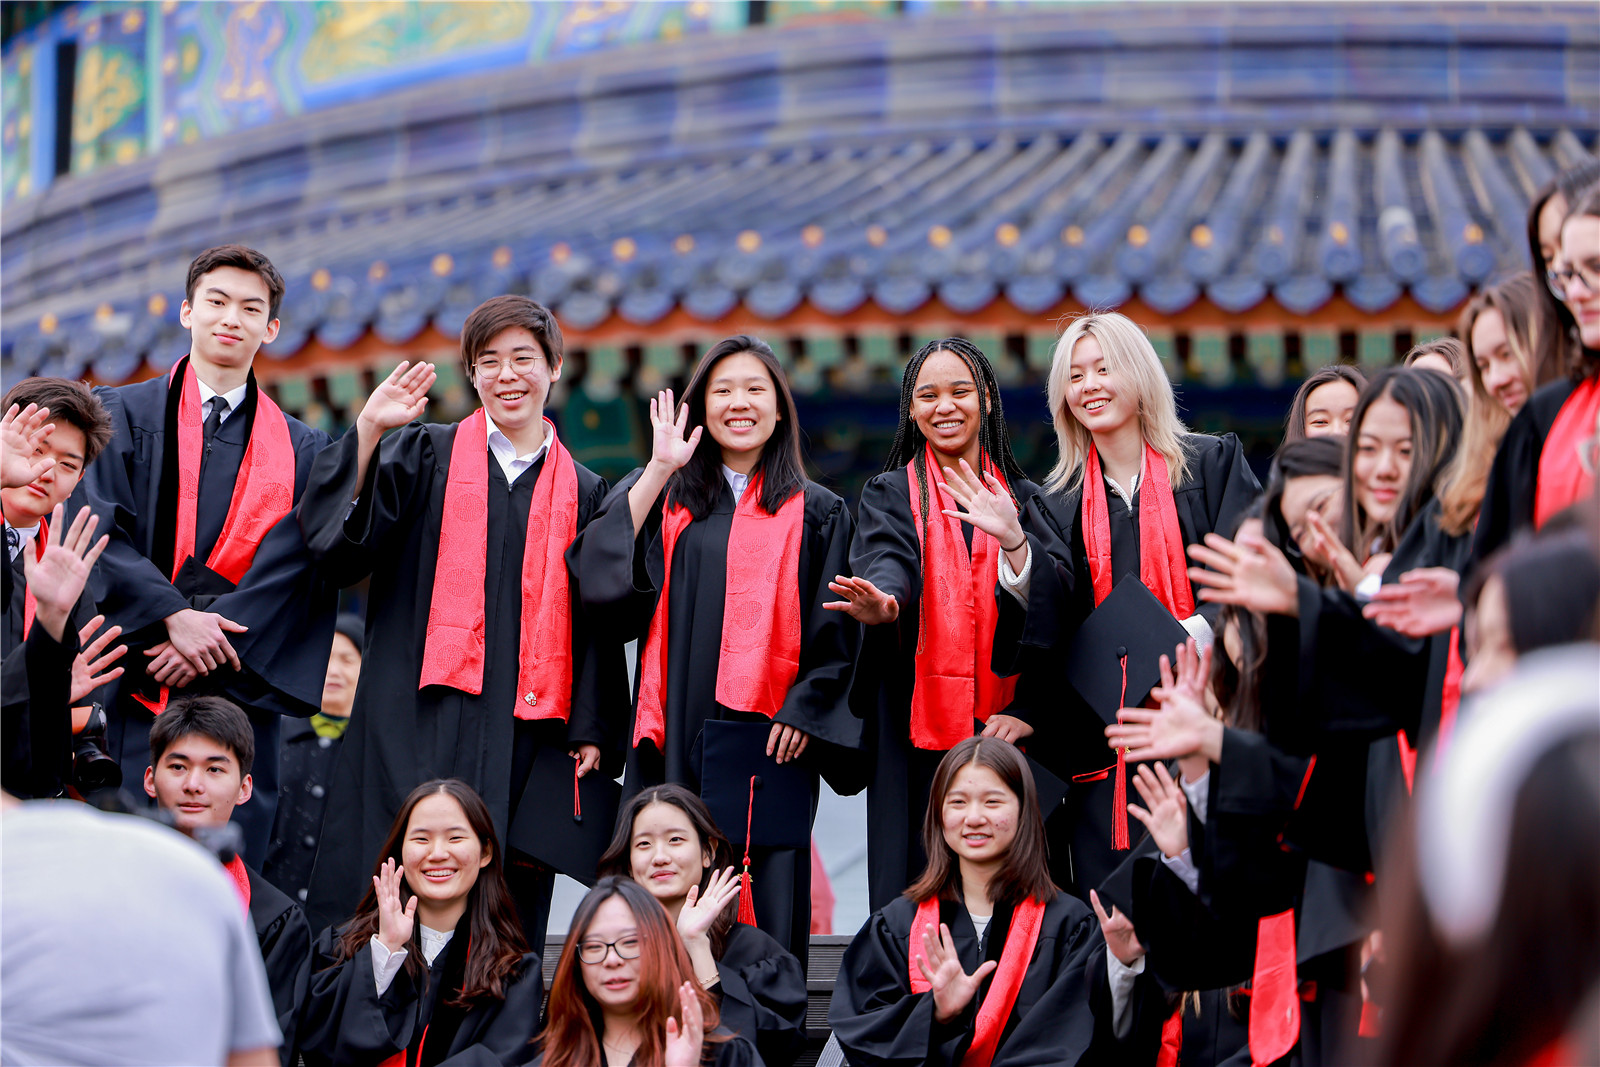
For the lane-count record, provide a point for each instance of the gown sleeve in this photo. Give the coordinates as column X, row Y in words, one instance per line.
column 36, row 679
column 884, row 550
column 344, row 1019
column 609, row 559
column 286, row 951
column 343, row 537
column 763, row 994
column 600, row 695
column 1230, row 488
column 1024, row 636
column 132, row 590
column 819, row 700
column 878, row 1020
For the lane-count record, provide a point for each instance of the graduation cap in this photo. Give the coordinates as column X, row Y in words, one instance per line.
column 564, row 821
column 1052, row 790
column 1130, row 623
column 775, row 809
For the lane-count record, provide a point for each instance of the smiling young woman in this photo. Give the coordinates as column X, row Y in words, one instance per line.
column 433, row 964
column 983, row 960
column 623, row 993
column 716, row 555
column 667, row 841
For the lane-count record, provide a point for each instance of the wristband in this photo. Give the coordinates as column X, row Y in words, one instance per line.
column 1016, row 546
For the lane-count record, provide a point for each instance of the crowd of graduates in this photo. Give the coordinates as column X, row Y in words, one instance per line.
column 1162, row 766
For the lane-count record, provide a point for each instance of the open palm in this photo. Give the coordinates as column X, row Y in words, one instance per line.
column 668, row 445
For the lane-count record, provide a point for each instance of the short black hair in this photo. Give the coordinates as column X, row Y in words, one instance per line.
column 507, row 312
column 205, row 716
column 71, row 402
column 243, row 258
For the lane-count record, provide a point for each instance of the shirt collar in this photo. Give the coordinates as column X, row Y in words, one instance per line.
column 25, row 534
column 736, row 481
column 234, row 397
column 502, row 446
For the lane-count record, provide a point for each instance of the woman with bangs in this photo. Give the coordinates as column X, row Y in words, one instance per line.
column 624, row 994
column 1323, row 404
column 716, row 556
column 668, row 842
column 983, row 961
column 922, row 583
column 1130, row 491
column 433, row 966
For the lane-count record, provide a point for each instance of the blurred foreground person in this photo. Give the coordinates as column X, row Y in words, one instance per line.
column 307, row 755
column 624, row 995
column 1493, row 910
column 176, row 978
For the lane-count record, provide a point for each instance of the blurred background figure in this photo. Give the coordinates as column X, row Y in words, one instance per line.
column 307, row 754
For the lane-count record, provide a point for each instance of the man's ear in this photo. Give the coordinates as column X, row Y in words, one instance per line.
column 184, row 313
column 150, row 782
column 245, row 788
column 555, row 369
column 272, row 332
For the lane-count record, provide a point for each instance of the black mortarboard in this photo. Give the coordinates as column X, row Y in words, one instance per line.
column 1120, row 889
column 780, row 811
column 1052, row 790
column 565, row 829
column 1129, row 622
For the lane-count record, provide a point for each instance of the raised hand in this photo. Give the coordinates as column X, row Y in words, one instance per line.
column 952, row 987
column 669, row 448
column 168, row 667
column 395, row 922
column 686, row 1043
column 1118, row 931
column 1321, row 545
column 1422, row 602
column 1166, row 810
column 201, row 637
column 700, row 910
column 1193, row 677
column 56, row 578
column 400, row 398
column 785, row 743
column 92, row 666
column 21, row 434
column 863, row 601
column 988, row 504
column 1250, row 573
column 1182, row 727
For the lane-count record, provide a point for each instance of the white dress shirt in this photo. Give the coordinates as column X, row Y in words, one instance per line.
column 234, row 397
column 386, row 964
column 736, row 481
column 505, row 453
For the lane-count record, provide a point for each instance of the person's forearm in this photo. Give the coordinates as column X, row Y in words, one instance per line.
column 645, row 492
column 705, row 966
column 367, row 438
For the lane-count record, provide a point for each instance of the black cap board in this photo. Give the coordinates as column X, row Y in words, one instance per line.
column 569, row 833
column 1052, row 790
column 1129, row 622
column 780, row 815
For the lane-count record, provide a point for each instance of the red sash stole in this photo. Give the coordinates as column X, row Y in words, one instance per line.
column 1562, row 479
column 1274, row 991
column 30, row 606
column 1021, row 940
column 453, row 653
column 760, row 652
column 262, row 494
column 1162, row 567
column 241, row 880
column 955, row 624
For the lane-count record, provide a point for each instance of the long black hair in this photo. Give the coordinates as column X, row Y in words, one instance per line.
column 1294, row 428
column 782, row 468
column 994, row 441
column 1433, row 402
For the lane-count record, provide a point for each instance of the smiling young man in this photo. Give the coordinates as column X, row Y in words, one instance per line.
column 38, row 659
column 201, row 750
column 201, row 574
column 478, row 658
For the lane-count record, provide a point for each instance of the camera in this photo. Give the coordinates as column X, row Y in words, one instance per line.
column 92, row 768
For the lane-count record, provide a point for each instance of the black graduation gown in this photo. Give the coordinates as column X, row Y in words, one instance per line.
column 285, row 939
column 346, row 1023
column 1069, row 735
column 306, row 762
column 621, row 581
column 762, row 992
column 897, row 775
column 35, row 691
column 733, row 1052
column 288, row 609
column 1062, row 1014
column 399, row 735
column 1513, row 485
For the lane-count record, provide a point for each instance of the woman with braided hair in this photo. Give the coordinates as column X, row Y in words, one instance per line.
column 924, row 682
column 1130, row 491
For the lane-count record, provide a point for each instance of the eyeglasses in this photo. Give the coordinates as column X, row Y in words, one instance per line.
column 594, row 952
column 490, row 368
column 1558, row 278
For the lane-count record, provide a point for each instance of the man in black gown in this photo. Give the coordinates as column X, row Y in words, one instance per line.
column 201, row 573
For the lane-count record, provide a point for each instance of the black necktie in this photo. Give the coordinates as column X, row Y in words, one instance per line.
column 219, row 407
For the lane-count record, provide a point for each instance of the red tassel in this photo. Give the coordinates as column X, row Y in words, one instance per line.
column 1370, row 1025
column 1408, row 760
column 747, row 900
column 1119, row 800
column 577, row 800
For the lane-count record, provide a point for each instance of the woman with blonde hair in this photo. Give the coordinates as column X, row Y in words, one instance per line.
column 1132, row 489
